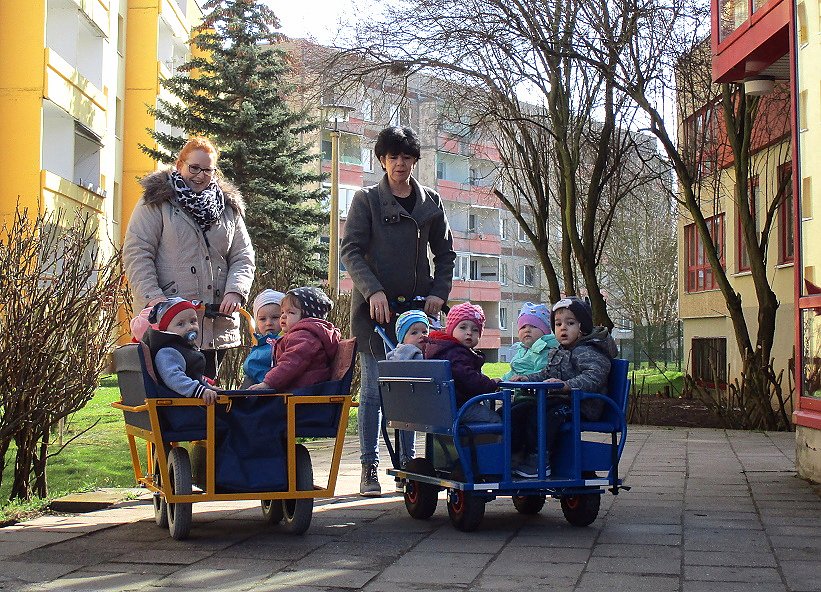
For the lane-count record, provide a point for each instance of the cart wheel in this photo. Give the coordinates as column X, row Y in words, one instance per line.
column 272, row 511
column 421, row 498
column 528, row 504
column 160, row 507
column 465, row 508
column 581, row 510
column 179, row 475
column 297, row 512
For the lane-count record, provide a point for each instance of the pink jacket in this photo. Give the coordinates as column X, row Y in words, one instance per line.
column 304, row 355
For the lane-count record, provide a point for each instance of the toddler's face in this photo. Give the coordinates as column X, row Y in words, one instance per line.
column 568, row 330
column 529, row 335
column 467, row 333
column 289, row 316
column 184, row 323
column 267, row 319
column 417, row 334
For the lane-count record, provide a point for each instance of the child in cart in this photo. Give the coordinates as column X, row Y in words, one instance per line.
column 456, row 343
column 304, row 355
column 412, row 328
column 179, row 364
column 582, row 361
column 266, row 320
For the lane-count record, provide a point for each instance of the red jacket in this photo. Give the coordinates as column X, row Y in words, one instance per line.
column 465, row 366
column 304, row 355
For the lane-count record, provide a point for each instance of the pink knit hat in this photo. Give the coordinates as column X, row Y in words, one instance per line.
column 465, row 312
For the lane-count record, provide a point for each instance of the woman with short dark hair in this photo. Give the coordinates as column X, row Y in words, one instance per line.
column 388, row 232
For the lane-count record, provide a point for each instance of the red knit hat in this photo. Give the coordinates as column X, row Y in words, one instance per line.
column 164, row 312
column 465, row 312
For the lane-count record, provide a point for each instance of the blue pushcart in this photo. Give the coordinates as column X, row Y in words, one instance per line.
column 473, row 461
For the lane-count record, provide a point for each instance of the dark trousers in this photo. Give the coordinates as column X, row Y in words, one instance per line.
column 525, row 427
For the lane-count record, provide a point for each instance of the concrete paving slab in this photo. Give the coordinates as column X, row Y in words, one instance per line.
column 698, row 496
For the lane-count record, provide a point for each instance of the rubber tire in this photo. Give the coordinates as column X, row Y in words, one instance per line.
column 420, row 498
column 179, row 475
column 528, row 504
column 581, row 510
column 297, row 513
column 465, row 509
column 160, row 507
column 272, row 511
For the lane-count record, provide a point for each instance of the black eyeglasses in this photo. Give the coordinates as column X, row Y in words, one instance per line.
column 195, row 170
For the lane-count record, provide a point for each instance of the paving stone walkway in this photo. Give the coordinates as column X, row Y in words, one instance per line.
column 709, row 511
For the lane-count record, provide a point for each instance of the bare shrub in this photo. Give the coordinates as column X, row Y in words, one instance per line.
column 59, row 298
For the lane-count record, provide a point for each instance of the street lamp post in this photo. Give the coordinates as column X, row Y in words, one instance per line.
column 337, row 113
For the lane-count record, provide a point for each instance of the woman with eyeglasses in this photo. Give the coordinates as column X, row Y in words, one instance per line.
column 187, row 238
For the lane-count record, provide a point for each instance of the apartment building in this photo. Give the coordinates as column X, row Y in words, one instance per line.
column 75, row 81
column 763, row 43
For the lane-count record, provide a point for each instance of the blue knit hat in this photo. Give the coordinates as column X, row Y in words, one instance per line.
column 408, row 318
column 537, row 315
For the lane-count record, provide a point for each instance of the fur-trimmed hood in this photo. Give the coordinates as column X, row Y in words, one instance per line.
column 158, row 188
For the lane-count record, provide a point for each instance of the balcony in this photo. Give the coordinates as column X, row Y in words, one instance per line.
column 749, row 38
column 68, row 89
column 466, row 193
column 476, row 291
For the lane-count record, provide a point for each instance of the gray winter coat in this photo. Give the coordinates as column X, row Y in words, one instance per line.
column 166, row 253
column 585, row 367
column 386, row 249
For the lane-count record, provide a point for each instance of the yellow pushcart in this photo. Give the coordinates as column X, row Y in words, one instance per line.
column 165, row 421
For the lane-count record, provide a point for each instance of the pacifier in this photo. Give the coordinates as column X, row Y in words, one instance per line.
column 191, row 336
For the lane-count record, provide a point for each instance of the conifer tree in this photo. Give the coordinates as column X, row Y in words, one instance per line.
column 234, row 90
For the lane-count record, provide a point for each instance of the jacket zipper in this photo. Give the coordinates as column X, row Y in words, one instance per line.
column 416, row 262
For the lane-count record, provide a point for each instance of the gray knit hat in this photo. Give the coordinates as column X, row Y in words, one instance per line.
column 312, row 301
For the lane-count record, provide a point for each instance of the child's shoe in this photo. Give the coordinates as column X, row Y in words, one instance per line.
column 529, row 469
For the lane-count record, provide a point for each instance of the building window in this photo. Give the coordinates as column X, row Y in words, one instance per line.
column 474, row 177
column 503, row 274
column 786, row 247
column 474, row 269
column 350, row 151
column 528, row 275
column 461, row 267
column 503, row 318
column 471, row 222
column 441, row 168
column 503, row 229
column 710, row 360
column 367, row 108
column 700, row 275
column 522, row 235
column 367, row 159
column 743, row 256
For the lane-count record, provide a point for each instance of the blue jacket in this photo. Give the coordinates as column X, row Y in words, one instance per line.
column 261, row 357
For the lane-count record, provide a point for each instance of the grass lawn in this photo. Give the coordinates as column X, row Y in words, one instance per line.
column 97, row 458
column 649, row 380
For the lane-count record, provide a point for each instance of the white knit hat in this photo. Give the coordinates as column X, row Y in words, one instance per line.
column 267, row 296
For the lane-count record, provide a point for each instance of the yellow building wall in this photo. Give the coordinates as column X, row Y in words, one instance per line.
column 22, row 35
column 704, row 314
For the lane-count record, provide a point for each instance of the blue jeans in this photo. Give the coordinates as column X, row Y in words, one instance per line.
column 370, row 415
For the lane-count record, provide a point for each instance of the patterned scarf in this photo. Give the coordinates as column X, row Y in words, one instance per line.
column 205, row 207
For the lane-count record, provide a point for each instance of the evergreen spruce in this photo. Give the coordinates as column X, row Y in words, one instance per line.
column 234, row 91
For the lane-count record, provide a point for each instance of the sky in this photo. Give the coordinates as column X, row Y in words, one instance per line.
column 316, row 19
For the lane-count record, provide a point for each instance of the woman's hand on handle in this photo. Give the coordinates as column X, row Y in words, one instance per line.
column 230, row 303
column 433, row 306
column 380, row 311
